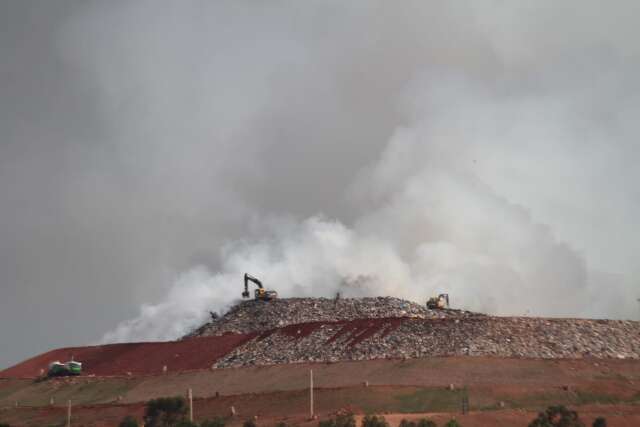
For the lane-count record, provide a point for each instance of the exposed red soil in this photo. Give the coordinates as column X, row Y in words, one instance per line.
column 135, row 358
column 190, row 354
column 354, row 331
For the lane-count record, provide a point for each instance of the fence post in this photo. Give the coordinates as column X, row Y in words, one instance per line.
column 311, row 393
column 465, row 402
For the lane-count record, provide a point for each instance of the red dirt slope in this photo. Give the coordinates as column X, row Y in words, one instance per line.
column 136, row 358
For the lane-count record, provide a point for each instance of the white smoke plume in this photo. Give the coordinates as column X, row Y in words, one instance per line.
column 445, row 211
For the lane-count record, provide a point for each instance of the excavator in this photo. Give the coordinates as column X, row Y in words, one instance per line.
column 438, row 303
column 261, row 294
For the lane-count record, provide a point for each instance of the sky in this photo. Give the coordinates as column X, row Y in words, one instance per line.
column 151, row 152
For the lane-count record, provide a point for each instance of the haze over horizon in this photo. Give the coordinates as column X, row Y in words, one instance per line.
column 151, row 152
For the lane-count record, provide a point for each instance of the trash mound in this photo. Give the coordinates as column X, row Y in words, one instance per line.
column 400, row 338
column 332, row 330
column 259, row 316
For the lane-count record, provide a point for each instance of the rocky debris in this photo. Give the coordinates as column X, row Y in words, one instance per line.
column 258, row 316
column 427, row 337
column 329, row 330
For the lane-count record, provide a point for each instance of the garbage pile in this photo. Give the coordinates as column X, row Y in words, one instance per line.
column 259, row 316
column 420, row 337
column 329, row 330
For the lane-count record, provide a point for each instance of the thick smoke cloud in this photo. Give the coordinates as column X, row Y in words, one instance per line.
column 152, row 152
column 435, row 222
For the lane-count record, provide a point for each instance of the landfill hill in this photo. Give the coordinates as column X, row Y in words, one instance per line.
column 331, row 330
column 300, row 330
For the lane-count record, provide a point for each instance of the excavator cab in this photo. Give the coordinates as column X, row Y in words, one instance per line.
column 438, row 303
column 261, row 294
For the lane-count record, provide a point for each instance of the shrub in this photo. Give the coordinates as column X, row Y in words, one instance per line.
column 374, row 421
column 216, row 422
column 128, row 421
column 557, row 416
column 600, row 422
column 452, row 423
column 4, row 425
column 249, row 423
column 423, row 422
column 165, row 411
column 186, row 423
column 343, row 420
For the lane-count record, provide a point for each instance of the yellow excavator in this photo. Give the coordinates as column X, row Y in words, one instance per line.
column 261, row 294
column 438, row 303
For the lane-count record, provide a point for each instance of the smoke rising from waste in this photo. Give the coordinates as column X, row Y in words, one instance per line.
column 486, row 149
column 435, row 223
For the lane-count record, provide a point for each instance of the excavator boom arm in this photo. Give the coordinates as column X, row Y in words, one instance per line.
column 249, row 278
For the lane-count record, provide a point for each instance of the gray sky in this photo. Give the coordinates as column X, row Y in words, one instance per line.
column 151, row 151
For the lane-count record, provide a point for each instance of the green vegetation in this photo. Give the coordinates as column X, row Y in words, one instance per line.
column 423, row 422
column 558, row 397
column 4, row 425
column 165, row 412
column 8, row 387
column 557, row 416
column 249, row 423
column 430, row 400
column 600, row 422
column 344, row 420
column 170, row 412
column 80, row 392
column 128, row 421
column 587, row 397
column 216, row 422
column 374, row 421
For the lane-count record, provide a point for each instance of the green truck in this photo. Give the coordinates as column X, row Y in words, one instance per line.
column 57, row 369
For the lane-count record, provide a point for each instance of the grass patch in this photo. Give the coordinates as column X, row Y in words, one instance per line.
column 611, row 376
column 531, row 401
column 430, row 400
column 9, row 387
column 384, row 399
column 588, row 397
column 81, row 392
column 538, row 401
